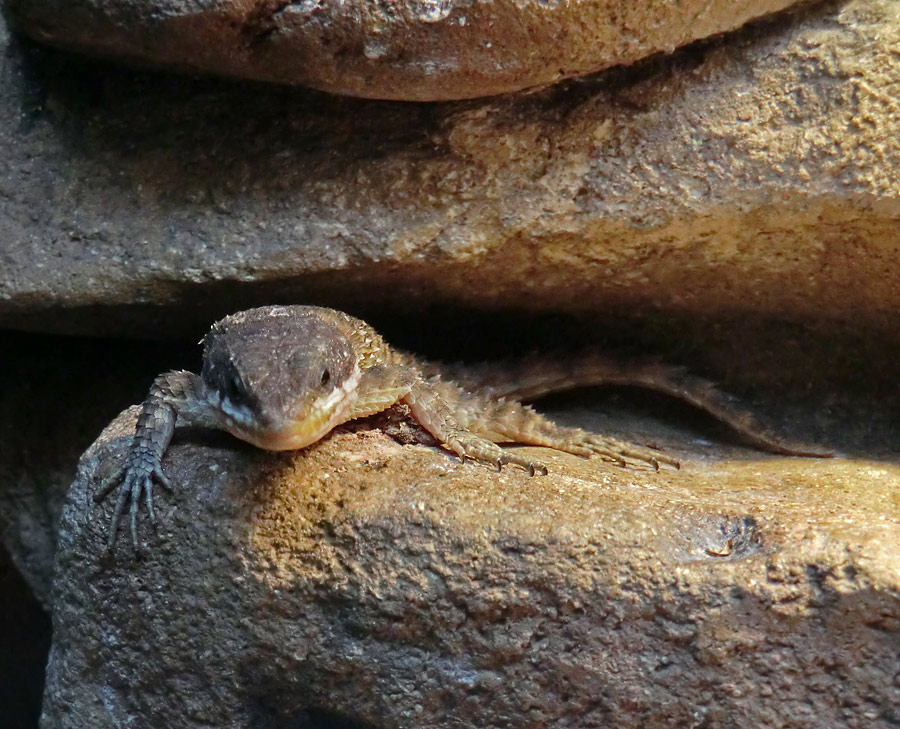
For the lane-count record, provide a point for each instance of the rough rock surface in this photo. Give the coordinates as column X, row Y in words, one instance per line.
column 756, row 176
column 419, row 50
column 367, row 581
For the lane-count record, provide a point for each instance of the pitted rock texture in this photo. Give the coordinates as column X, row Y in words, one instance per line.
column 418, row 50
column 755, row 176
column 367, row 581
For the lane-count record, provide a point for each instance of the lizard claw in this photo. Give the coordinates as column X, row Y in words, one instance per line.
column 148, row 500
column 137, row 485
column 535, row 468
column 623, row 454
column 108, row 484
column 135, row 481
column 163, row 479
column 472, row 447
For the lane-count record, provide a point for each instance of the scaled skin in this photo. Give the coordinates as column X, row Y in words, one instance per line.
column 282, row 377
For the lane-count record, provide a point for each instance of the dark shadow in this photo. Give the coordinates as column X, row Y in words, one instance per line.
column 266, row 717
column 23, row 650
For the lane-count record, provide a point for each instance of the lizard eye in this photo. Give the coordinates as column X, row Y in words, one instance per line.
column 234, row 388
column 326, row 378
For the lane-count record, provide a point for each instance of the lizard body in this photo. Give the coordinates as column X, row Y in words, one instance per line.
column 282, row 377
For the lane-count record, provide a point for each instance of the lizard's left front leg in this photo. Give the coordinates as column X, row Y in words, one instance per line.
column 171, row 394
column 433, row 402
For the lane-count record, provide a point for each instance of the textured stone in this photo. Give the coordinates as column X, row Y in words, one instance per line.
column 420, row 50
column 756, row 176
column 389, row 584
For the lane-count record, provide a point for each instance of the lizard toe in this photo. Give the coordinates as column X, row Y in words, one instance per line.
column 164, row 481
column 138, row 486
column 109, row 483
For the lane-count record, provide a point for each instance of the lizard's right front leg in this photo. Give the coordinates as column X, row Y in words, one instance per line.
column 170, row 395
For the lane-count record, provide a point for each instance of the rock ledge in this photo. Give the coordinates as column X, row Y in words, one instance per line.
column 392, row 585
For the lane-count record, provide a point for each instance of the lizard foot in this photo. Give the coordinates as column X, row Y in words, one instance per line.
column 135, row 481
column 620, row 452
column 467, row 445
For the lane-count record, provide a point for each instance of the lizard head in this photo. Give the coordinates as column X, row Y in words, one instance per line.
column 281, row 376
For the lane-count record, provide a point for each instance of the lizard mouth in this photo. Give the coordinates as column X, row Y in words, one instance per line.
column 294, row 434
column 298, row 432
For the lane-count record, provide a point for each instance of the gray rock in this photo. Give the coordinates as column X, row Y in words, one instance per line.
column 420, row 50
column 368, row 581
column 755, row 176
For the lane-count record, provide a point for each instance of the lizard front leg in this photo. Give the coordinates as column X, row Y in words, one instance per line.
column 508, row 421
column 504, row 421
column 432, row 403
column 170, row 396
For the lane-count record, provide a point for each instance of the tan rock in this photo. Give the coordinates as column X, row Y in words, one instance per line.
column 757, row 177
column 838, row 394
column 421, row 50
column 365, row 580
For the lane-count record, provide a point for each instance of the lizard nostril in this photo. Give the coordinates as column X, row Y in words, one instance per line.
column 326, row 378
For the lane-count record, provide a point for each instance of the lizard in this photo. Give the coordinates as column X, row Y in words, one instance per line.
column 282, row 377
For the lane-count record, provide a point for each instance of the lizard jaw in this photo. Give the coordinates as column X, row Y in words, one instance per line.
column 293, row 436
column 296, row 433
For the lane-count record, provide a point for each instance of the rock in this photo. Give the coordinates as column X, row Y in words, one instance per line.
column 385, row 585
column 66, row 389
column 755, row 177
column 418, row 50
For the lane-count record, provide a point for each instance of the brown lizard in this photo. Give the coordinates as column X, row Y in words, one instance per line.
column 281, row 377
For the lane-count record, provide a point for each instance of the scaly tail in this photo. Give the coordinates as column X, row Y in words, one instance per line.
column 535, row 376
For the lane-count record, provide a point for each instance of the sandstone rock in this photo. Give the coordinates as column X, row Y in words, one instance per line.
column 756, row 176
column 748, row 183
column 362, row 580
column 422, row 50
